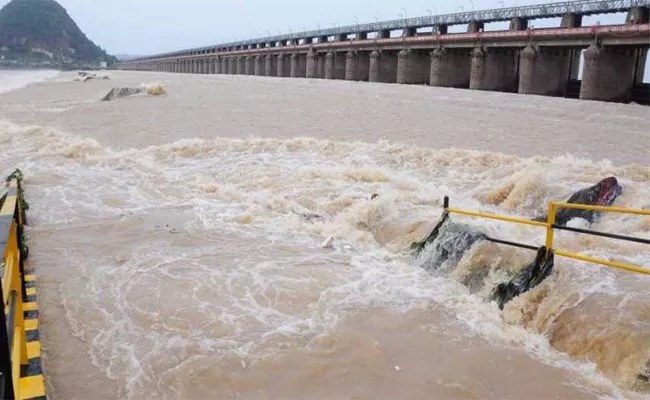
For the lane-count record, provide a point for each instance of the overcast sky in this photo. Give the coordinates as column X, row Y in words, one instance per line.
column 141, row 27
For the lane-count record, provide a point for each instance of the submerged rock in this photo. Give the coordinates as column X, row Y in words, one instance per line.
column 529, row 277
column 121, row 92
column 449, row 245
column 604, row 193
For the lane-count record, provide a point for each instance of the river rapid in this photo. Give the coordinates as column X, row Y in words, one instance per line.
column 220, row 241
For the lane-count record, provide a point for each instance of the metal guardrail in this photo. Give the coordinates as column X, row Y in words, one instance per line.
column 551, row 226
column 549, row 10
column 13, row 340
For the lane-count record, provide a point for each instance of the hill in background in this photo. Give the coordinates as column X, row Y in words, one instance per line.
column 40, row 32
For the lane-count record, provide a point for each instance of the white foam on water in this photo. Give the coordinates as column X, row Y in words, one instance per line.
column 16, row 79
column 233, row 230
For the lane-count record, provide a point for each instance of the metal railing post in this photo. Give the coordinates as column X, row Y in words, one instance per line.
column 549, row 226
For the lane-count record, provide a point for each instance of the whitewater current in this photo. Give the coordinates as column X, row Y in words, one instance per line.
column 219, row 242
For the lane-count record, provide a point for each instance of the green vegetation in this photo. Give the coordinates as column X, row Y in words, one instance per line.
column 42, row 31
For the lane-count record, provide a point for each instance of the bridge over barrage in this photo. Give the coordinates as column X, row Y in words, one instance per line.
column 520, row 59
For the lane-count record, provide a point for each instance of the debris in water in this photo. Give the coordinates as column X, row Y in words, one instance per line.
column 120, row 92
column 329, row 243
column 84, row 76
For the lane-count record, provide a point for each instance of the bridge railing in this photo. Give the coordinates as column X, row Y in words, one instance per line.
column 13, row 341
column 551, row 226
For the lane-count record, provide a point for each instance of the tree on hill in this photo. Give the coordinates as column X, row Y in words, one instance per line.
column 44, row 26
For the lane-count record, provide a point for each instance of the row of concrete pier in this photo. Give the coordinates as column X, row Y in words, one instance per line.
column 523, row 60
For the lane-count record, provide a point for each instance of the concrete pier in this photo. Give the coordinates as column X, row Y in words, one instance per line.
column 284, row 67
column 637, row 15
column 270, row 65
column 608, row 73
column 233, row 65
column 298, row 65
column 259, row 65
column 413, row 67
column 450, row 67
column 544, row 71
column 475, row 26
column 224, row 65
column 249, row 68
column 518, row 24
column 241, row 65
column 334, row 65
column 351, row 66
column 311, row 65
column 494, row 69
column 357, row 66
column 383, row 67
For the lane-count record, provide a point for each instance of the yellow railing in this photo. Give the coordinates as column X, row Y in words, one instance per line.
column 13, row 353
column 552, row 209
column 551, row 227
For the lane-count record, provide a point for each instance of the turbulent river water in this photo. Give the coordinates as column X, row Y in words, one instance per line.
column 178, row 240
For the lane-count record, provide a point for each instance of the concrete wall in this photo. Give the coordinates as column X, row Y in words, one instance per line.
column 494, row 69
column 545, row 71
column 249, row 68
column 259, row 65
column 383, row 66
column 224, row 65
column 413, row 67
column 335, row 65
column 233, row 66
column 311, row 65
column 450, row 67
column 270, row 65
column 608, row 73
column 357, row 66
column 298, row 65
column 284, row 66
